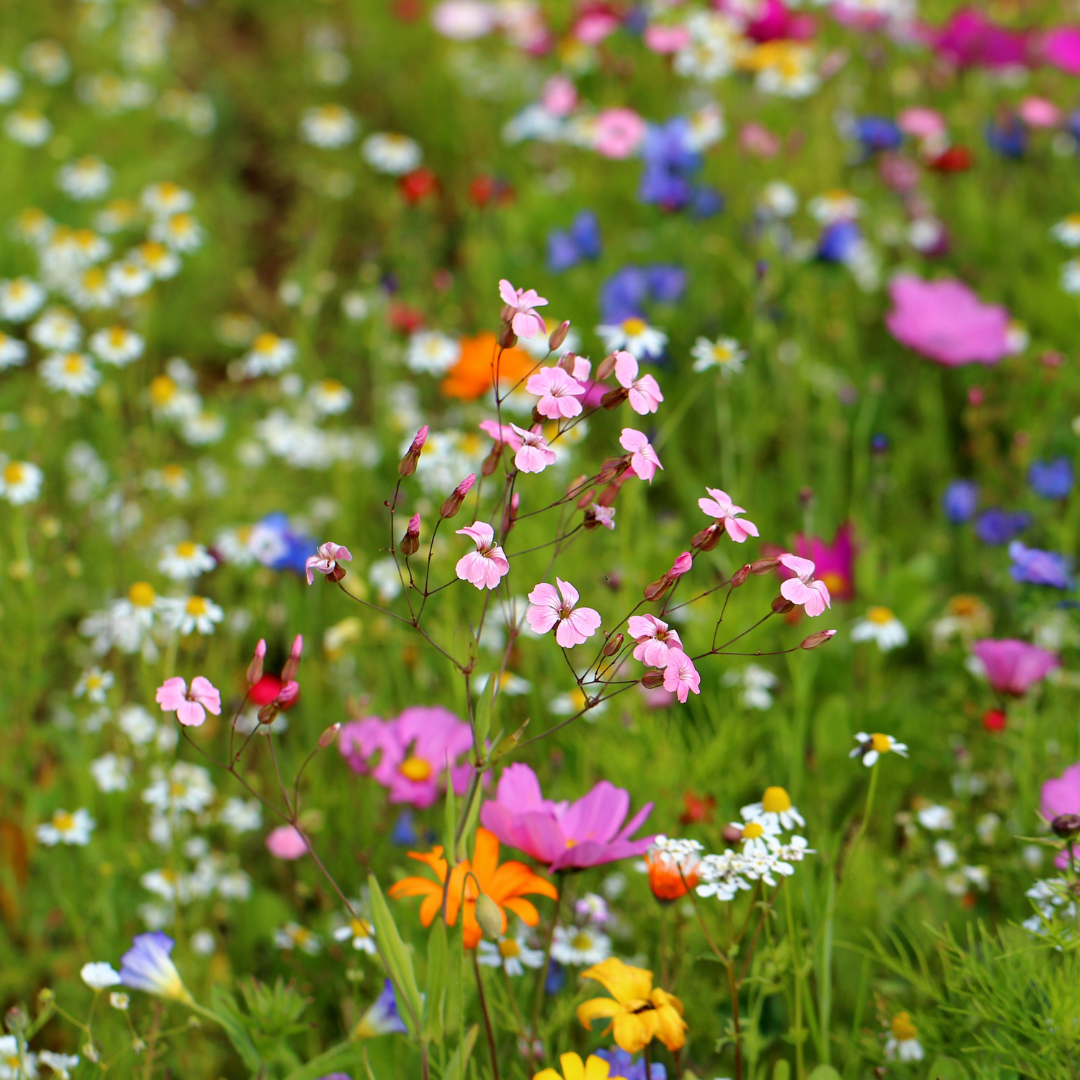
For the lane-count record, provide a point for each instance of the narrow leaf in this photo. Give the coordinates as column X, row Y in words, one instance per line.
column 435, row 996
column 397, row 957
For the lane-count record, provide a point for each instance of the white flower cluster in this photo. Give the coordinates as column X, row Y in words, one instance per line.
column 1055, row 906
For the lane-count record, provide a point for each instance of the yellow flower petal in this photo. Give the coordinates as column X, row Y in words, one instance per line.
column 623, row 982
column 595, row 1009
column 632, row 1031
column 572, row 1067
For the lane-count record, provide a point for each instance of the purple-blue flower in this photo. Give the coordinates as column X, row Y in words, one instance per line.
column 838, row 241
column 581, row 241
column 629, row 1068
column 1009, row 138
column 1031, row 566
column 148, row 966
column 670, row 164
column 877, row 133
column 998, row 526
column 1051, row 479
column 625, row 293
column 960, row 501
column 382, row 1018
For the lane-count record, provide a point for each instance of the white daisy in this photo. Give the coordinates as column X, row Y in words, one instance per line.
column 833, row 206
column 1070, row 276
column 20, row 482
column 724, row 353
column 158, row 259
column 328, row 126
column 16, row 1063
column 634, row 335
column 871, row 747
column 65, row 828
column 46, row 60
column 137, row 724
column 20, row 298
column 185, row 787
column 360, row 932
column 329, row 397
column 903, row 1042
column 72, row 372
column 513, row 955
column 165, row 199
column 779, row 199
column 27, row 126
column 118, row 215
column 432, row 352
column 181, row 232
column 129, row 277
column 116, row 345
column 33, row 225
column 190, row 615
column 12, row 352
column 91, row 289
column 202, row 429
column 99, row 975
column 111, row 773
column 171, row 400
column 87, row 178
column 774, row 812
column 1067, row 231
column 10, row 85
column 580, row 946
column 185, row 561
column 56, row 329
column 294, row 936
column 269, row 355
column 936, row 818
column 241, row 815
column 93, row 684
column 391, row 153
column 882, row 626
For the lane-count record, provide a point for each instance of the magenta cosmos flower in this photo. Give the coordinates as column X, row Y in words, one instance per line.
column 1061, row 795
column 191, row 705
column 643, row 458
column 533, row 455
column 719, row 506
column 413, row 752
column 326, row 560
column 525, row 321
column 549, row 608
column 945, row 321
column 559, row 393
column 803, row 589
column 564, row 836
column 644, row 392
column 485, row 566
column 1013, row 666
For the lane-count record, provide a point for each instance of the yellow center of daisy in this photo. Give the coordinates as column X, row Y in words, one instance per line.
column 196, row 606
column 753, row 831
column 176, row 789
column 880, row 743
column 185, row 549
column 63, row 821
column 117, row 336
column 775, row 800
column 85, row 238
column 94, row 278
column 633, row 327
column 581, row 942
column 508, row 949
column 142, row 594
column 265, row 343
column 415, row 768
column 332, row 386
column 172, row 474
column 880, row 616
column 902, row 1028
column 93, row 681
column 13, row 472
column 359, row 928
column 73, row 363
column 1074, row 220
column 301, row 935
column 722, row 354
column 162, row 389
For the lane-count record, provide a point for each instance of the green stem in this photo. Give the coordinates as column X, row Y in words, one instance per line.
column 541, row 978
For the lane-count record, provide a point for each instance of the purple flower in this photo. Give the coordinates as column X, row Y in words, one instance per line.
column 1061, row 795
column 838, row 241
column 1034, row 567
column 581, row 241
column 1013, row 666
column 1000, row 526
column 382, row 1018
column 877, row 133
column 630, row 1068
column 1051, row 479
column 564, row 836
column 960, row 501
column 148, row 966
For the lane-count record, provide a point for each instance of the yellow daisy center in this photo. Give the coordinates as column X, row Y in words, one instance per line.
column 359, row 928
column 581, row 942
column 753, row 831
column 196, row 606
column 902, row 1027
column 880, row 616
column 74, row 364
column 63, row 821
column 265, row 343
column 141, row 594
column 177, row 788
column 775, row 800
column 880, row 743
column 415, row 768
column 13, row 472
column 94, row 278
column 508, row 949
column 185, row 549
column 633, row 327
column 162, row 390
column 117, row 336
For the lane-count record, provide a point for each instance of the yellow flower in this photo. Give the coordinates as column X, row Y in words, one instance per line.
column 638, row 1013
column 572, row 1069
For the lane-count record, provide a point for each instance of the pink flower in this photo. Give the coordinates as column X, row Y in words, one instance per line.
column 680, row 675
column 559, row 393
column 564, row 836
column 802, row 588
column 945, row 321
column 643, row 458
column 582, row 368
column 534, row 455
column 285, row 842
column 1061, row 796
column 501, row 433
column 758, row 141
column 326, row 561
column 525, row 321
column 645, row 396
column 1061, row 48
column 655, row 640
column 604, row 515
column 575, row 626
column 559, row 96
column 619, row 133
column 485, row 566
column 665, row 39
column 191, row 705
column 1012, row 666
column 921, row 123
column 594, row 26
column 413, row 751
column 1037, row 112
column 720, row 506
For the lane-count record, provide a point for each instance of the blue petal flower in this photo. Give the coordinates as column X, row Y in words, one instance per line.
column 1031, row 566
column 1051, row 479
column 960, row 501
column 998, row 526
column 382, row 1018
column 147, row 966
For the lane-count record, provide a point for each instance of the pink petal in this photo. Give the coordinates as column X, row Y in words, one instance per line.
column 569, row 593
column 190, row 714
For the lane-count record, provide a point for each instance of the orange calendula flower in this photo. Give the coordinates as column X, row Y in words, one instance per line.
column 506, row 885
column 638, row 1013
column 669, row 877
column 473, row 375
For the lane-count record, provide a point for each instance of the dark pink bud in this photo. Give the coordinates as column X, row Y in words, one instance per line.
column 510, row 515
column 764, row 566
column 814, row 640
column 407, row 466
column 410, row 542
column 288, row 692
column 614, row 398
column 491, row 462
column 707, row 538
column 782, row 605
column 329, row 735
column 613, row 644
column 507, row 337
column 652, row 679
column 288, row 672
column 605, row 368
column 732, row 834
column 567, row 361
column 655, row 589
column 740, row 575
column 558, row 335
column 683, row 564
column 457, row 497
column 255, row 668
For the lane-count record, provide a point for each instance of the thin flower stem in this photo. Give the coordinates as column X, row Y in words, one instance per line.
column 541, row 978
column 487, row 1018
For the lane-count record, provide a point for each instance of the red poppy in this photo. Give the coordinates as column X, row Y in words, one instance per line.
column 418, row 185
column 403, row 318
column 994, row 720
column 955, row 159
column 697, row 809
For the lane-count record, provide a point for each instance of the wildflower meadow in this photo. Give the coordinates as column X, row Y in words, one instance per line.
column 538, row 539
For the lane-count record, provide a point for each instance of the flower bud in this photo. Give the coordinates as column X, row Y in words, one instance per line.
column 740, row 575
column 764, row 566
column 586, row 498
column 655, row 589
column 612, row 468
column 255, row 668
column 731, row 834
column 613, row 644
column 16, row 1020
column 682, row 565
column 605, row 368
column 407, row 465
column 782, row 605
column 288, row 672
column 652, row 679
column 510, row 514
column 457, row 497
column 814, row 640
column 575, row 487
column 490, row 917
column 410, row 542
column 506, row 314
column 614, row 398
column 507, row 337
column 1066, row 825
column 558, row 335
column 567, row 362
column 45, row 998
column 329, row 735
column 491, row 462
column 706, row 539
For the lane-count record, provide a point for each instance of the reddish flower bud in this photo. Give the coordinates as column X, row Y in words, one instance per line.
column 288, row 672
column 491, row 462
column 576, row 485
column 605, row 368
column 586, row 499
column 289, row 693
column 652, row 679
column 506, row 313
column 655, row 589
column 410, row 542
column 255, row 668
column 611, row 469
column 614, row 398
column 329, row 735
column 567, row 362
column 682, row 565
column 613, row 644
column 457, row 497
column 558, row 335
column 740, row 575
column 814, row 640
column 764, row 566
column 781, row 605
column 510, row 514
column 507, row 338
column 731, row 834
column 408, row 463
column 706, row 539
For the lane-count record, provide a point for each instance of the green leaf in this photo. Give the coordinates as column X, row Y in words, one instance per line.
column 824, row 1072
column 455, row 984
column 459, row 1059
column 781, row 1071
column 450, row 826
column 437, row 968
column 367, row 1066
column 343, row 1054
column 947, row 1068
column 470, row 828
column 482, row 717
column 505, row 746
column 224, row 1007
column 397, row 957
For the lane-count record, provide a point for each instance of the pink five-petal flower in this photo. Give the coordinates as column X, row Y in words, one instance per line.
column 618, row 133
column 644, row 396
column 525, row 321
column 285, row 842
column 802, row 588
column 680, row 675
column 534, row 455
column 720, row 506
column 643, row 458
column 559, row 393
column 485, row 566
column 326, row 560
column 655, row 639
column 191, row 705
column 548, row 608
column 501, row 433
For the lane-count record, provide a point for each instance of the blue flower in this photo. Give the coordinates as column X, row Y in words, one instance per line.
column 998, row 526
column 148, row 966
column 1034, row 567
column 1009, row 138
column 670, row 164
column 556, row 977
column 960, row 501
column 626, row 1067
column 382, row 1018
column 666, row 283
column 706, row 202
column 1051, row 479
column 838, row 241
column 625, row 293
column 403, row 833
column 277, row 545
column 581, row 241
column 877, row 133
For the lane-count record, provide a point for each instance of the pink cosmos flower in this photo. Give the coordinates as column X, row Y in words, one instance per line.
column 720, row 506
column 1061, row 796
column 326, row 561
column 643, row 458
column 971, row 39
column 665, row 39
column 645, row 396
column 758, row 141
column 559, row 393
column 1061, row 48
column 285, row 842
column 501, row 433
column 921, row 123
column 594, row 26
column 485, row 566
column 525, row 321
column 945, row 321
column 564, row 836
column 1013, row 666
column 1038, row 112
column 680, row 675
column 559, row 96
column 547, row 607
column 534, row 455
column 413, row 750
column 619, row 133
column 655, row 640
column 191, row 705
column 802, row 588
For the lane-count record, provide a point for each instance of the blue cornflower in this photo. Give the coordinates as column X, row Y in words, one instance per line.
column 277, row 545
column 1034, row 567
column 382, row 1017
column 960, row 501
column 706, row 202
column 1051, row 479
column 403, row 833
column 556, row 977
column 998, row 526
column 625, row 293
column 629, row 1068
column 1009, row 138
column 838, row 241
column 877, row 133
column 581, row 241
column 670, row 163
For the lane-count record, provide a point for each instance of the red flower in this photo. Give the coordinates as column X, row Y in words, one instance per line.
column 403, row 318
column 994, row 720
column 697, row 809
column 418, row 185
column 488, row 190
column 955, row 159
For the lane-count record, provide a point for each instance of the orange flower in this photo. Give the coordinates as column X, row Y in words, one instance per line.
column 668, row 878
column 507, row 885
column 473, row 375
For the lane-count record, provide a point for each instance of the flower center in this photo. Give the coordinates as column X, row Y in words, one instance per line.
column 834, row 581
column 162, row 389
column 775, row 800
column 117, row 336
column 360, row 929
column 63, row 821
column 880, row 616
column 721, row 354
column 508, row 949
column 196, row 605
column 753, row 831
column 13, row 473
column 265, row 343
column 902, row 1027
column 415, row 768
column 964, row 606
column 94, row 278
column 880, row 743
column 633, row 327
column 185, row 549
column 176, row 789
column 581, row 942
column 141, row 594
column 73, row 363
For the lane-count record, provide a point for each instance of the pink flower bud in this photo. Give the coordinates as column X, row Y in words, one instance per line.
column 740, row 575
column 613, row 644
column 510, row 515
column 507, row 337
column 491, row 462
column 764, row 566
column 706, row 539
column 288, row 672
column 329, row 735
column 605, row 368
column 614, row 398
column 683, row 564
column 255, row 668
column 410, row 542
column 814, row 640
column 457, row 497
column 732, row 834
column 407, row 465
column 652, row 679
column 782, row 605
column 558, row 335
